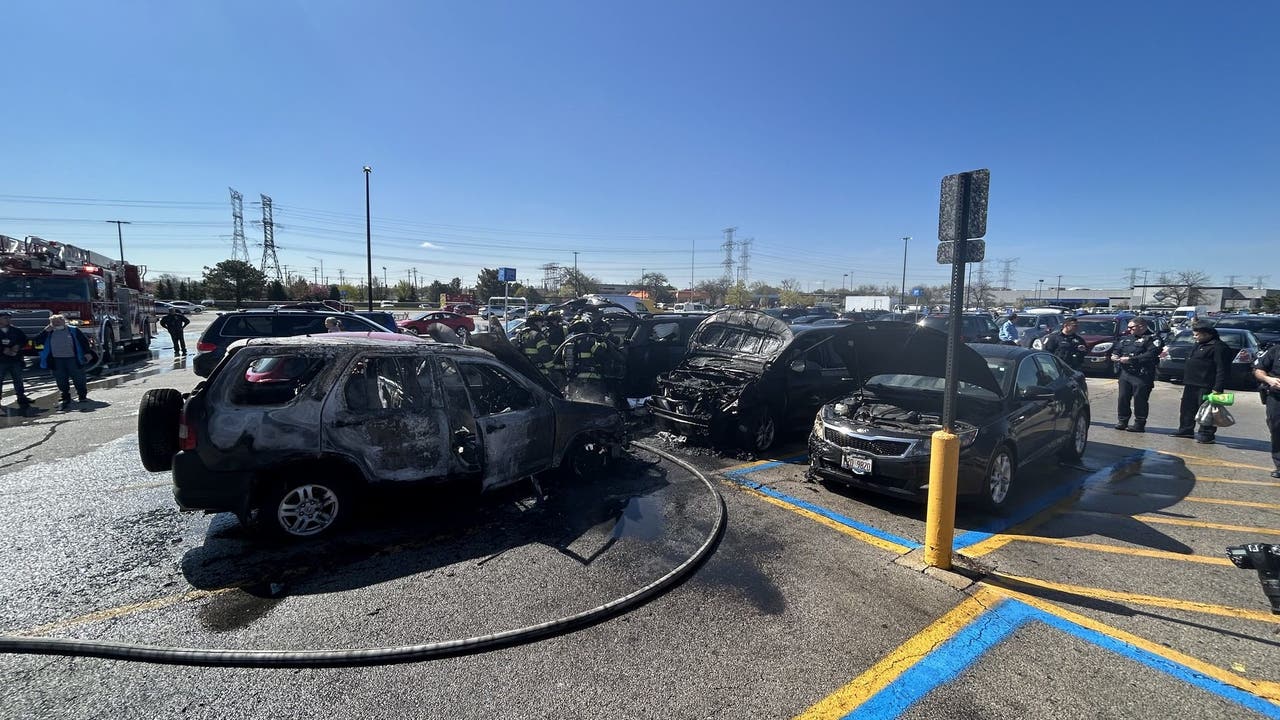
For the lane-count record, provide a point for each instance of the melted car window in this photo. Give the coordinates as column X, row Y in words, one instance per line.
column 493, row 392
column 275, row 380
column 381, row 383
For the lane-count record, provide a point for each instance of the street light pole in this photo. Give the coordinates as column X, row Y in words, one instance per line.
column 386, row 286
column 576, row 293
column 368, row 236
column 902, row 293
column 120, row 235
column 1143, row 301
column 1059, row 289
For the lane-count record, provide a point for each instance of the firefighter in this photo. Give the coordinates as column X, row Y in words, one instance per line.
column 12, row 342
column 175, row 322
column 555, row 328
column 1266, row 370
column 593, row 366
column 531, row 340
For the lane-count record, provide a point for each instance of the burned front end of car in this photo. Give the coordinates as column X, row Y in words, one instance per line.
column 880, row 446
column 703, row 403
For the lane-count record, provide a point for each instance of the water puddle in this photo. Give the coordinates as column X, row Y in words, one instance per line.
column 641, row 519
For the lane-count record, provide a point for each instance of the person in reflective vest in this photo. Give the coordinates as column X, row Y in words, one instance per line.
column 593, row 366
column 531, row 340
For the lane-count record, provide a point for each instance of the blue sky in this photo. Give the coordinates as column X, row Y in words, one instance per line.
column 1117, row 134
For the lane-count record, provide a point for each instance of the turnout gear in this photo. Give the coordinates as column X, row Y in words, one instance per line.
column 534, row 344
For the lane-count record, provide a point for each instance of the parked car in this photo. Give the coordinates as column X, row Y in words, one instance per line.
column 417, row 325
column 651, row 345
column 1265, row 328
column 162, row 308
column 384, row 319
column 461, row 308
column 386, row 304
column 974, row 328
column 747, row 374
column 188, row 307
column 1247, row 347
column 291, row 433
column 232, row 326
column 1034, row 327
column 1015, row 407
column 1100, row 333
column 786, row 314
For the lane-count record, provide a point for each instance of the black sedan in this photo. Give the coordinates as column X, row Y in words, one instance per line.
column 1173, row 358
column 1016, row 406
column 1264, row 327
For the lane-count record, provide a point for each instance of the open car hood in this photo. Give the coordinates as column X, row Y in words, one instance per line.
column 882, row 348
column 578, row 305
column 747, row 333
column 501, row 348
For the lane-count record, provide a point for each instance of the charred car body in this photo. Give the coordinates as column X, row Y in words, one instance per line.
column 747, row 374
column 288, row 433
column 1015, row 406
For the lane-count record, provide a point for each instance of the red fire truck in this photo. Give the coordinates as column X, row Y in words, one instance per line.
column 101, row 296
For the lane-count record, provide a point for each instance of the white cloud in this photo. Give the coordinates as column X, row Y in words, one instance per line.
column 433, row 246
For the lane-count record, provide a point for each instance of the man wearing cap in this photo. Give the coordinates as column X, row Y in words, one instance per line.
column 12, row 341
column 1206, row 370
column 1136, row 355
column 1009, row 330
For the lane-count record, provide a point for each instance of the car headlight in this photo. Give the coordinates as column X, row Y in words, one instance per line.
column 817, row 425
column 967, row 437
column 924, row 446
column 1101, row 347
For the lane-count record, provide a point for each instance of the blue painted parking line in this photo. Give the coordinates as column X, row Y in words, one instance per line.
column 1030, row 508
column 739, row 476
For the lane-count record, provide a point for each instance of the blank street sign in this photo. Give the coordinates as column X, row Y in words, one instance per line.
column 949, row 209
column 975, row 252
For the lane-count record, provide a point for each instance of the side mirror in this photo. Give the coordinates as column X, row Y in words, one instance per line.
column 798, row 366
column 1035, row 392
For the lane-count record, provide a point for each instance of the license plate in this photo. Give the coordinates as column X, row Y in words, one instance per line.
column 857, row 464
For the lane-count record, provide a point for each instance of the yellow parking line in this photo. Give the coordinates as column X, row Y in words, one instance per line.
column 881, row 543
column 115, row 612
column 1202, row 460
column 890, row 667
column 1262, row 688
column 1261, row 483
column 1237, row 503
column 995, row 542
column 745, row 466
column 1118, row 550
column 1004, row 580
column 1183, row 522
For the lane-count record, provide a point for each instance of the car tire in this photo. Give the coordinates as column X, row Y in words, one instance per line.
column 1078, row 439
column 305, row 508
column 759, row 432
column 158, row 417
column 997, row 481
column 412, row 331
column 588, row 459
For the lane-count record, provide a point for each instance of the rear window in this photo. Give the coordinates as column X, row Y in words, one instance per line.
column 1232, row 340
column 275, row 380
column 247, row 326
column 1268, row 325
column 1096, row 327
column 287, row 325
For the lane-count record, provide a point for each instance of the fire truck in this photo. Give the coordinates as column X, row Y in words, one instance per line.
column 104, row 298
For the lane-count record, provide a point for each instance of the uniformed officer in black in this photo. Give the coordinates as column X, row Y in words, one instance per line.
column 1137, row 355
column 1067, row 345
column 1267, row 371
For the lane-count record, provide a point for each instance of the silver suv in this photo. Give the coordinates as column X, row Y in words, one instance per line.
column 289, row 433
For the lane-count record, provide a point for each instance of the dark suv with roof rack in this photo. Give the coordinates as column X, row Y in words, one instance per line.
column 230, row 327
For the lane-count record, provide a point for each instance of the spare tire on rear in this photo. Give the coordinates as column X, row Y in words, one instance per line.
column 158, row 416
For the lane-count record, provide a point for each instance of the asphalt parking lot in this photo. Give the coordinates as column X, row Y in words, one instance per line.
column 1105, row 593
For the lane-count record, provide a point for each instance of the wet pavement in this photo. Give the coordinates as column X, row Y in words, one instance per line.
column 1104, row 594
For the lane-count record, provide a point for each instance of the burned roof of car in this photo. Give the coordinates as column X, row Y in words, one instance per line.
column 356, row 339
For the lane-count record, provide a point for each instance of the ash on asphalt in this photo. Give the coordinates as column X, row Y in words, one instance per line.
column 538, row 557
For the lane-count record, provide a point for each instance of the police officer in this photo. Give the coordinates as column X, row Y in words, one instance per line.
column 1136, row 354
column 1067, row 345
column 1267, row 371
column 1206, row 369
column 175, row 323
column 12, row 343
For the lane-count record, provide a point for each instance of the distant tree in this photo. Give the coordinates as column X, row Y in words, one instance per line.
column 576, row 282
column 276, row 291
column 656, row 285
column 1271, row 303
column 234, row 280
column 487, row 285
column 1185, row 287
column 738, row 295
column 334, row 293
column 455, row 286
column 789, row 294
column 530, row 293
column 404, row 291
column 715, row 290
column 299, row 289
column 434, row 291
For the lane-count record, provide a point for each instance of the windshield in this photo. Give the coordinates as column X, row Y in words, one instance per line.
column 916, row 383
column 19, row 289
column 1096, row 327
column 1234, row 340
column 1031, row 321
column 1259, row 324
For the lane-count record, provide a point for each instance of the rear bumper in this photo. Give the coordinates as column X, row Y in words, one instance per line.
column 196, row 487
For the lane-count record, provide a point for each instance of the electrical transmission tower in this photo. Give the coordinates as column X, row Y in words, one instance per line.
column 1133, row 276
column 552, row 276
column 1259, row 280
column 727, row 246
column 239, row 248
column 1006, row 273
column 269, row 259
column 744, row 260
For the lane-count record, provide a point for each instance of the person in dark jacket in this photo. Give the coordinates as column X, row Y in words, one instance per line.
column 66, row 352
column 1207, row 368
column 1266, row 370
column 1067, row 345
column 1137, row 355
column 175, row 322
column 12, row 343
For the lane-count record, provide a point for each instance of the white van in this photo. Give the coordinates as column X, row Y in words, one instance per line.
column 689, row 307
column 630, row 302
column 1187, row 313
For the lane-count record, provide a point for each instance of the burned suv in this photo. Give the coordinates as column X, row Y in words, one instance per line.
column 746, row 375
column 288, row 433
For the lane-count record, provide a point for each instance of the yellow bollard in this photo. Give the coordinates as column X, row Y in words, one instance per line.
column 940, row 520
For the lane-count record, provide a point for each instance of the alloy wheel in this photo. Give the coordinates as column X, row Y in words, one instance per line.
column 307, row 510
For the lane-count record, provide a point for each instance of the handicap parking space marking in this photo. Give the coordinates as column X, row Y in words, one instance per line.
column 1184, row 522
column 863, row 531
column 942, row 651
